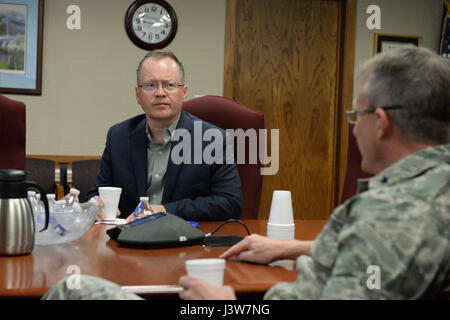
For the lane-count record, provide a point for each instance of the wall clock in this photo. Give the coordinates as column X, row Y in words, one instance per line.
column 151, row 24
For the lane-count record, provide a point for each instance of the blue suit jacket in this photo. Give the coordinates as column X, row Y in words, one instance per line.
column 192, row 191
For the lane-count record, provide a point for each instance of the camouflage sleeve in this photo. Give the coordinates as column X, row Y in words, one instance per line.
column 387, row 258
column 88, row 288
column 307, row 286
column 313, row 272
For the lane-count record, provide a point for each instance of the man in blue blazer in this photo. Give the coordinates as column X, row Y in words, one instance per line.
column 138, row 154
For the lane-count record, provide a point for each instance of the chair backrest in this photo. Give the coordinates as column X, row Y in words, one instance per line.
column 229, row 114
column 43, row 172
column 12, row 134
column 81, row 174
column 353, row 171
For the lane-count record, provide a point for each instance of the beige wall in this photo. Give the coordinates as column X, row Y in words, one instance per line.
column 89, row 74
column 402, row 17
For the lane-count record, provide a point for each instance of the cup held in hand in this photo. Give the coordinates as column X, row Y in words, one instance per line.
column 209, row 270
column 110, row 197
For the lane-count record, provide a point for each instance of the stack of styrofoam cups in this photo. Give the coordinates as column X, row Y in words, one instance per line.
column 210, row 270
column 281, row 219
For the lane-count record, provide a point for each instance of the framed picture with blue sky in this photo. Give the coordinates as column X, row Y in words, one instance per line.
column 21, row 27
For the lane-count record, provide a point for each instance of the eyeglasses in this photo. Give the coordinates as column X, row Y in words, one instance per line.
column 352, row 115
column 153, row 86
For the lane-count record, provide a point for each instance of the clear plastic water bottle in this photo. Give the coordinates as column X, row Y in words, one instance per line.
column 72, row 198
column 32, row 199
column 143, row 209
column 68, row 222
column 90, row 205
column 56, row 223
column 31, row 195
column 51, row 202
column 39, row 204
column 55, row 228
column 70, row 202
column 51, row 197
column 39, row 212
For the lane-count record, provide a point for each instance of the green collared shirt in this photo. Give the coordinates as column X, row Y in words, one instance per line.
column 390, row 241
column 157, row 159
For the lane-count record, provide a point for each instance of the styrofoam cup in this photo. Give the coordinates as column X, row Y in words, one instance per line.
column 210, row 270
column 281, row 231
column 281, row 211
column 110, row 197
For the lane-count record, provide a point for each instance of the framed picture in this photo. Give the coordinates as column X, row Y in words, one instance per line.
column 384, row 42
column 21, row 46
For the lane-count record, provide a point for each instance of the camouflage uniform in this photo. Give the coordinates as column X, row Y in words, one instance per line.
column 398, row 221
column 90, row 288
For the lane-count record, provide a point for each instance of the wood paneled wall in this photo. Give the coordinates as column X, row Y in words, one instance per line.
column 293, row 60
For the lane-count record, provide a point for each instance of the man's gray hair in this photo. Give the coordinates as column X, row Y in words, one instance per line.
column 418, row 80
column 159, row 55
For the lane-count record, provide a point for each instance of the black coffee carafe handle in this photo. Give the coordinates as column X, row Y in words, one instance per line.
column 44, row 198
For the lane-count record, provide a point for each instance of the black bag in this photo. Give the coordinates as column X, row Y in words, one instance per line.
column 167, row 231
column 157, row 231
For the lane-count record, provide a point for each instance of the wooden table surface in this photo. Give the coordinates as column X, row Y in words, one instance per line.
column 30, row 276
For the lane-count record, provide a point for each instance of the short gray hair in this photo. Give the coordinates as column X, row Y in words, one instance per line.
column 159, row 55
column 418, row 80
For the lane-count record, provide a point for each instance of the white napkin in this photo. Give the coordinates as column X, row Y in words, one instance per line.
column 116, row 222
column 153, row 289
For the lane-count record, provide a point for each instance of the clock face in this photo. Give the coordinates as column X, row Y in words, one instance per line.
column 151, row 24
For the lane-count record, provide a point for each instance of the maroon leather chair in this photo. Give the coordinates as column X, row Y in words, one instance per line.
column 12, row 134
column 353, row 171
column 229, row 114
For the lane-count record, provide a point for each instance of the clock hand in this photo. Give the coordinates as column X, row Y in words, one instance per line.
column 154, row 23
column 158, row 24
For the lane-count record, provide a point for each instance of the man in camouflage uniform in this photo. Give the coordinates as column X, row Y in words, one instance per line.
column 392, row 239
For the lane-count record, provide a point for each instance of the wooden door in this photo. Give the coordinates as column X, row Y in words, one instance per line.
column 293, row 60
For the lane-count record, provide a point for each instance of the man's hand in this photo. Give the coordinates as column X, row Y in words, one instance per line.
column 263, row 250
column 255, row 248
column 155, row 209
column 100, row 214
column 196, row 289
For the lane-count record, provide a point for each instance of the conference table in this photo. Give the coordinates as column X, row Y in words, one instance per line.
column 151, row 273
